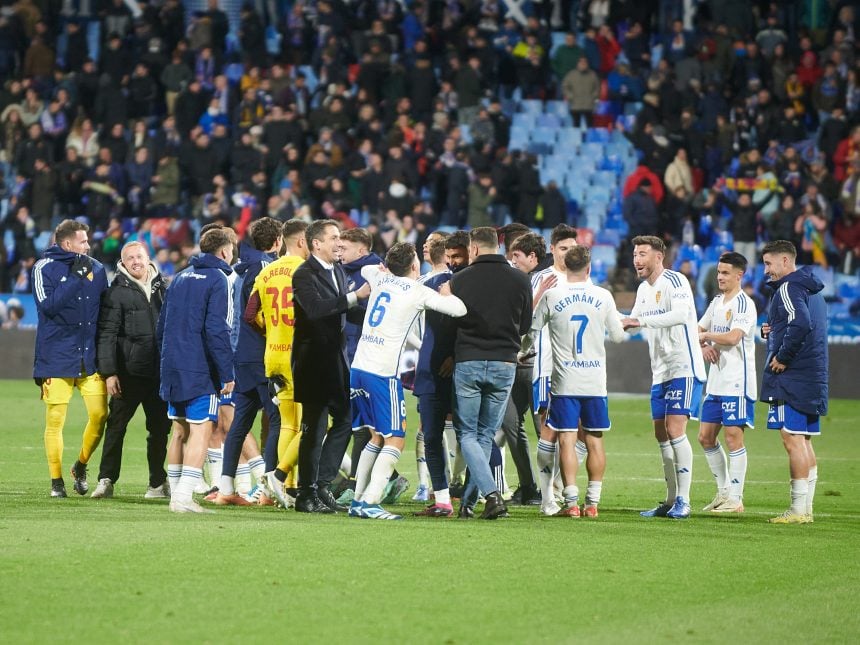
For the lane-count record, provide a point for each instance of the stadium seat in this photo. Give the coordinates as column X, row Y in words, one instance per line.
column 544, row 135
column 591, row 149
column 606, row 236
column 605, row 253
column 597, row 135
column 465, row 134
column 605, row 178
column 531, row 106
column 569, row 138
column 548, row 121
column 523, row 120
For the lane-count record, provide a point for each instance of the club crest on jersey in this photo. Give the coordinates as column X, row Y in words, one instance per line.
column 657, row 297
column 728, row 316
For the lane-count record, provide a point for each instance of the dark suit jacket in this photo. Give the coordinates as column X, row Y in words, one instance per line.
column 320, row 366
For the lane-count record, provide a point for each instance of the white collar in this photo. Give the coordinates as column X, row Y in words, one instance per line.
column 325, row 265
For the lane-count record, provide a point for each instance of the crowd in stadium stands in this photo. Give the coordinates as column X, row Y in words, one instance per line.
column 712, row 123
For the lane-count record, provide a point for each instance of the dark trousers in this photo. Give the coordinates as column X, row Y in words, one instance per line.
column 321, row 452
column 433, row 408
column 246, row 406
column 513, row 425
column 136, row 391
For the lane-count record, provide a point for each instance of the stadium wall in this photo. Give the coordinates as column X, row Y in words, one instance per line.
column 628, row 364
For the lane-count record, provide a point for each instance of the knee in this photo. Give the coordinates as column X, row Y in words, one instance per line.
column 56, row 417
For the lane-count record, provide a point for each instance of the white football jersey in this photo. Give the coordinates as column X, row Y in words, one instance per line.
column 734, row 374
column 577, row 316
column 543, row 351
column 667, row 312
column 392, row 308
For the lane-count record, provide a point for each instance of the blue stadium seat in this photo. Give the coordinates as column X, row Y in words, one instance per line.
column 605, row 178
column 591, row 149
column 548, row 121
column 605, row 253
column 607, row 236
column 523, row 120
column 543, row 135
column 559, row 108
column 597, row 135
column 553, row 172
column 465, row 134
column 569, row 138
column 531, row 106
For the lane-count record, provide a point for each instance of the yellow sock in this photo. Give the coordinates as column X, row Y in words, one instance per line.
column 55, row 418
column 97, row 412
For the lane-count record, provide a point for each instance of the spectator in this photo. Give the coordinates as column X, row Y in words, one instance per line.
column 581, row 89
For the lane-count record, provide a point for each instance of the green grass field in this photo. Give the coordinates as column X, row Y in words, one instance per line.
column 126, row 570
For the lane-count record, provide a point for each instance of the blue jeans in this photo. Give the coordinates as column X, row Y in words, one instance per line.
column 481, row 395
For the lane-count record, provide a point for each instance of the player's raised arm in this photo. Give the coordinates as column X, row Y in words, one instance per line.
column 613, row 322
column 679, row 303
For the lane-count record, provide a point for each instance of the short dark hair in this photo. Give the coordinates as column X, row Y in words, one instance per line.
column 214, row 240
column 436, row 248
column 577, row 258
column 67, row 229
column 359, row 236
column 562, row 232
column 316, row 230
column 293, row 227
column 528, row 244
column 513, row 231
column 484, row 236
column 400, row 257
column 780, row 246
column 457, row 240
column 265, row 233
column 210, row 227
column 650, row 240
column 735, row 259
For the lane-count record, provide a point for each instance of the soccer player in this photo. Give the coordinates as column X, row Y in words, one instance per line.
column 578, row 315
column 666, row 309
column 68, row 285
column 795, row 381
column 727, row 336
column 196, row 360
column 396, row 299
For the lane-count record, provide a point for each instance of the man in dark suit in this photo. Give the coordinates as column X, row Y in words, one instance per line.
column 320, row 366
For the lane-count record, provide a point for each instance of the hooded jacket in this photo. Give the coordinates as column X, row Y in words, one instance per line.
column 126, row 344
column 68, row 308
column 797, row 315
column 194, row 331
column 354, row 280
column 249, row 345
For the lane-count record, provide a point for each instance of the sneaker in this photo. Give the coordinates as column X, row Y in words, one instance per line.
column 729, row 506
column 680, row 509
column 103, row 489
column 570, row 511
column 376, row 512
column 790, row 517
column 355, row 509
column 436, row 510
column 211, row 495
column 291, row 494
column 550, row 509
column 422, row 494
column 79, row 474
column 202, row 488
column 346, row 497
column 187, row 507
column 159, row 492
column 717, row 501
column 58, row 488
column 589, row 510
column 658, row 511
column 277, row 488
column 456, row 490
column 230, row 500
column 394, row 489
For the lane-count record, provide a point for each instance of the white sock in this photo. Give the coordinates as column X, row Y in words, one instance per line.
column 174, row 472
column 738, row 473
column 668, row 456
column 447, row 453
column 187, row 482
column 799, row 493
column 346, row 465
column 423, row 471
column 571, row 496
column 226, row 485
column 581, row 451
column 257, row 466
column 545, row 457
column 381, row 473
column 365, row 467
column 557, row 484
column 683, row 465
column 813, row 479
column 716, row 458
column 214, row 461
column 503, row 489
column 459, row 473
column 443, row 497
column 592, row 493
column 243, row 479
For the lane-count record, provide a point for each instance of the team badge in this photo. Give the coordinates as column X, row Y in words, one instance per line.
column 728, row 316
column 657, row 296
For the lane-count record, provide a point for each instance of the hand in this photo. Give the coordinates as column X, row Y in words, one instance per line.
column 228, row 388
column 765, row 330
column 113, row 387
column 445, row 289
column 446, row 369
column 710, row 354
column 546, row 284
column 82, row 266
column 629, row 323
column 776, row 367
column 383, row 268
column 703, row 338
column 363, row 291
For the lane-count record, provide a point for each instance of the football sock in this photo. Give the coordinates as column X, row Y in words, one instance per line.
column 290, row 455
column 423, row 472
column 571, row 496
column 346, row 465
column 55, row 417
column 258, row 468
column 668, row 456
column 738, row 473
column 214, row 461
column 226, row 485
column 174, row 472
column 592, row 493
column 449, row 444
column 243, row 479
column 581, row 451
column 716, row 458
column 557, row 484
column 187, row 482
column 360, row 437
column 443, row 497
column 545, row 456
column 799, row 493
column 365, row 467
column 683, row 465
column 382, row 468
column 503, row 489
column 496, row 467
column 813, row 479
column 97, row 412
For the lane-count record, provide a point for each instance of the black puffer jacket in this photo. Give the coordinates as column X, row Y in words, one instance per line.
column 125, row 344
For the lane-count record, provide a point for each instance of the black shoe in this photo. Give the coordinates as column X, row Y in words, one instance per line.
column 58, row 488
column 465, row 512
column 79, row 474
column 456, row 490
column 325, row 496
column 310, row 503
column 494, row 507
column 526, row 496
